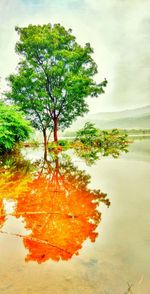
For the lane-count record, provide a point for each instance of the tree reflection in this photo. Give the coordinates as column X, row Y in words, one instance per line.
column 2, row 215
column 60, row 210
column 15, row 173
column 56, row 203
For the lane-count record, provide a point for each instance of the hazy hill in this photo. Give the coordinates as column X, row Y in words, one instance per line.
column 132, row 118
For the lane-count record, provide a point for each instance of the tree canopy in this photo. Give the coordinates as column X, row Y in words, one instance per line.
column 13, row 127
column 54, row 76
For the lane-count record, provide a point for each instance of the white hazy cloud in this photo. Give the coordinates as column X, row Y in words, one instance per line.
column 118, row 30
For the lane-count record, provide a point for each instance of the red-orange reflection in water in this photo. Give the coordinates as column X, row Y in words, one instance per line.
column 61, row 212
column 2, row 215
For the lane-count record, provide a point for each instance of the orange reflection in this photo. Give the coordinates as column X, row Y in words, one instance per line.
column 15, row 174
column 2, row 215
column 60, row 211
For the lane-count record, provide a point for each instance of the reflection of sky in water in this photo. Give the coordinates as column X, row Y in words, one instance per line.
column 32, row 156
column 9, row 206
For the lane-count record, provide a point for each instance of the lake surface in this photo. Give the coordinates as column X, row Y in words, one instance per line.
column 60, row 234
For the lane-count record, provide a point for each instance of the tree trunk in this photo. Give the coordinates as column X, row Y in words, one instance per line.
column 57, row 170
column 55, row 129
column 45, row 144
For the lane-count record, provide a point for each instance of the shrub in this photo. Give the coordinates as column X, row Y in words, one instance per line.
column 13, row 127
column 61, row 145
column 90, row 141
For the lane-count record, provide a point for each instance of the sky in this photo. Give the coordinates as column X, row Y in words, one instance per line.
column 118, row 31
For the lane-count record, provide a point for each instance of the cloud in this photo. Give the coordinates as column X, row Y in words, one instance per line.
column 125, row 28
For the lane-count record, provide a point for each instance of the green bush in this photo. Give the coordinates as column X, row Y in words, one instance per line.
column 64, row 143
column 32, row 143
column 52, row 146
column 13, row 127
column 61, row 145
column 90, row 141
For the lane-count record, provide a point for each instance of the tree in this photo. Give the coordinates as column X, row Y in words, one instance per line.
column 90, row 142
column 13, row 127
column 53, row 78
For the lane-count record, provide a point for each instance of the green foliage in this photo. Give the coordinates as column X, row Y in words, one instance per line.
column 64, row 143
column 88, row 135
column 61, row 145
column 90, row 141
column 54, row 76
column 32, row 143
column 53, row 146
column 13, row 127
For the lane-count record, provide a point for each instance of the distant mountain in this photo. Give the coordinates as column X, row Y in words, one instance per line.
column 138, row 118
column 122, row 114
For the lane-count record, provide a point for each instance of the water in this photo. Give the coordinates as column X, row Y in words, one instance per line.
column 59, row 236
